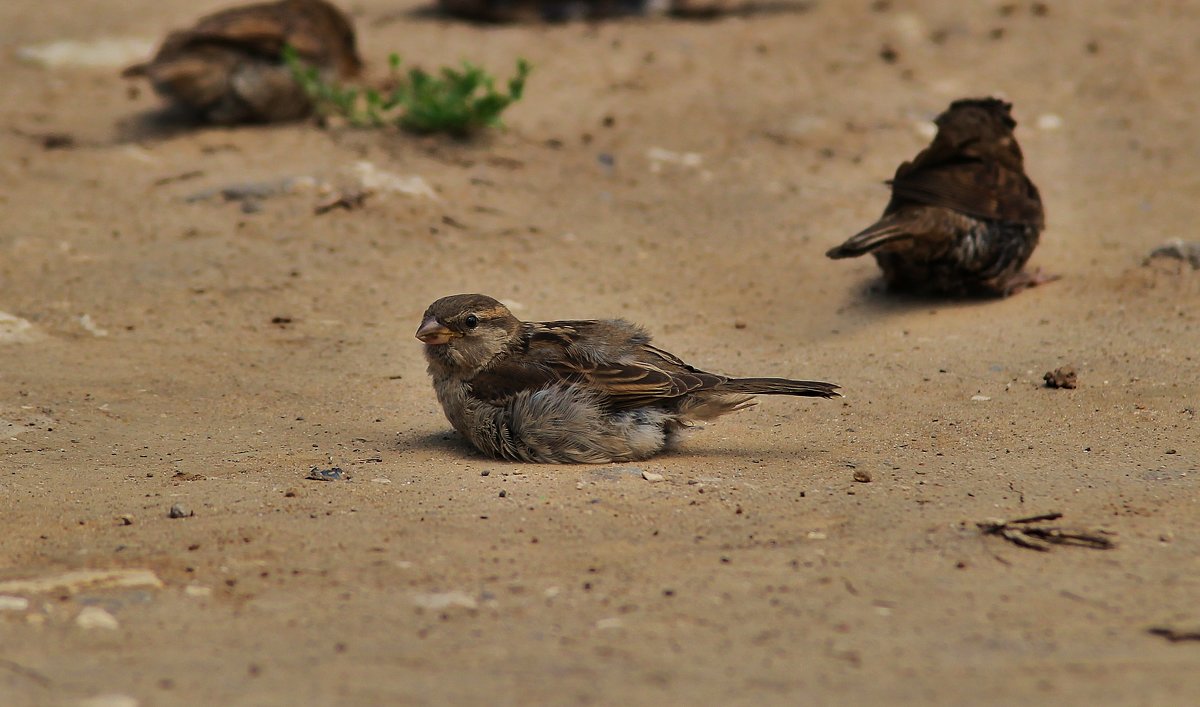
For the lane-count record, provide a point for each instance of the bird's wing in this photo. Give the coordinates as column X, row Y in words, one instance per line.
column 612, row 360
column 983, row 189
column 251, row 29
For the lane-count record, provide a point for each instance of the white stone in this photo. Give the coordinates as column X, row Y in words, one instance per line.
column 8, row 603
column 436, row 601
column 91, row 327
column 15, row 330
column 95, row 617
column 106, row 52
column 372, row 178
column 1049, row 121
column 925, row 128
column 83, row 579
column 113, row 700
column 659, row 156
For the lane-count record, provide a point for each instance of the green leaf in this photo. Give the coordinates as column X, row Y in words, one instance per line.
column 457, row 101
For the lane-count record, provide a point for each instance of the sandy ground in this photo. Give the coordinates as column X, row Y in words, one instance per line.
column 225, row 353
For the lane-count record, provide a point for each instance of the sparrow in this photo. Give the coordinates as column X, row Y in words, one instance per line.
column 963, row 218
column 572, row 391
column 229, row 68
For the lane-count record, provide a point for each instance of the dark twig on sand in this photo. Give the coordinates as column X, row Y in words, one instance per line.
column 21, row 670
column 1024, row 533
column 1175, row 635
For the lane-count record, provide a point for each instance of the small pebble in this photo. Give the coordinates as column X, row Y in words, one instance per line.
column 1049, row 121
column 125, row 518
column 862, row 476
column 439, row 601
column 113, row 700
column 652, row 476
column 503, row 493
column 332, row 474
column 95, row 617
column 180, row 511
column 1062, row 377
column 1177, row 249
column 980, row 398
column 8, row 603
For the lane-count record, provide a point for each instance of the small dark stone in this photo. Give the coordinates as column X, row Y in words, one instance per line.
column 180, row 511
column 334, row 474
column 58, row 141
column 1062, row 377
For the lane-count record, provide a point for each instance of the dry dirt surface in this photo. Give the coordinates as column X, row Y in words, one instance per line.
column 164, row 346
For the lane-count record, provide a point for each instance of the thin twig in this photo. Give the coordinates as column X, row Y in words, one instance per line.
column 1175, row 635
column 1023, row 533
column 21, row 670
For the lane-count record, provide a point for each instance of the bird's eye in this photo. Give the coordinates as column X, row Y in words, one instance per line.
column 471, row 321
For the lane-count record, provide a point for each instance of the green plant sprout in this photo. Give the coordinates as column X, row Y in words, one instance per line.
column 458, row 102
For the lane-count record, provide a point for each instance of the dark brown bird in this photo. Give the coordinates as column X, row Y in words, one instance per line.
column 572, row 391
column 567, row 10
column 963, row 218
column 229, row 69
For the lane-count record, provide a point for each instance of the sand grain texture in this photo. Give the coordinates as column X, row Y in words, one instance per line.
column 242, row 349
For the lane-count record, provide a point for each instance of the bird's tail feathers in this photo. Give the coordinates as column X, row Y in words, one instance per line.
column 779, row 386
column 881, row 233
column 703, row 408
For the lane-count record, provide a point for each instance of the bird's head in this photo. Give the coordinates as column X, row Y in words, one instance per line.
column 984, row 115
column 980, row 127
column 465, row 332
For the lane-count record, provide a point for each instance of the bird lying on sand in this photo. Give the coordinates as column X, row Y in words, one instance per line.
column 229, row 67
column 572, row 391
column 963, row 218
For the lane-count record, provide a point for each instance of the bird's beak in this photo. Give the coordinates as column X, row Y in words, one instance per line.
column 434, row 332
